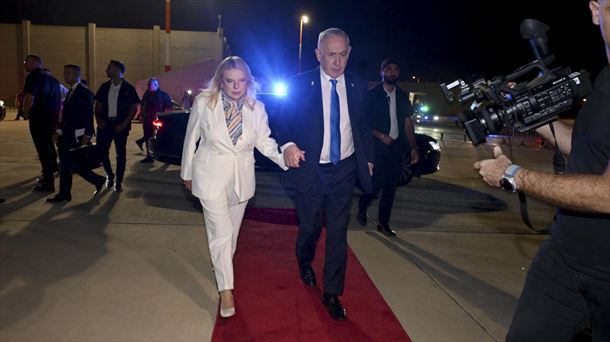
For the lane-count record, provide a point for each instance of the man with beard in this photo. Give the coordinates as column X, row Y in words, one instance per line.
column 389, row 113
column 116, row 103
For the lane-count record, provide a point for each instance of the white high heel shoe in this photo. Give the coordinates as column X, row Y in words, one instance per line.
column 230, row 312
column 226, row 313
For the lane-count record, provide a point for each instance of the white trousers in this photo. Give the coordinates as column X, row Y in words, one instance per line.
column 222, row 221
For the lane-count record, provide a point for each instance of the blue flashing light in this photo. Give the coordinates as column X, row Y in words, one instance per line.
column 280, row 89
column 424, row 108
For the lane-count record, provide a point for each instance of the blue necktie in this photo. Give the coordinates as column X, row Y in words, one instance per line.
column 335, row 119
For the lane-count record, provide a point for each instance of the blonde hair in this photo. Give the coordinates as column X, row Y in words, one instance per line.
column 214, row 87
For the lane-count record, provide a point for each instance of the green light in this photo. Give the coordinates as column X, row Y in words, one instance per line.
column 424, row 108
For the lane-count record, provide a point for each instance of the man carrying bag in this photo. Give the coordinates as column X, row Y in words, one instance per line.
column 73, row 137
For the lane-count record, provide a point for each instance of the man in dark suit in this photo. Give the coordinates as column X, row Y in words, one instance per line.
column 75, row 129
column 116, row 103
column 42, row 105
column 328, row 145
column 389, row 114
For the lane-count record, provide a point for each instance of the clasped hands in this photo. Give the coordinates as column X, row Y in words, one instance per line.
column 293, row 156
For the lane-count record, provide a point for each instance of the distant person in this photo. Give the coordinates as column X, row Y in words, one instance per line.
column 187, row 99
column 75, row 129
column 389, row 114
column 19, row 99
column 116, row 103
column 328, row 145
column 42, row 105
column 154, row 101
column 229, row 123
column 567, row 287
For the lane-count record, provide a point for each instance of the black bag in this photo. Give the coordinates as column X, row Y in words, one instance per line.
column 86, row 157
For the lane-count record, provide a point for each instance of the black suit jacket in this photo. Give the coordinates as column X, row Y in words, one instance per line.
column 378, row 115
column 302, row 121
column 77, row 114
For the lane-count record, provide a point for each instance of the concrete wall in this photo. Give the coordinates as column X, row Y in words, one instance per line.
column 11, row 64
column 91, row 47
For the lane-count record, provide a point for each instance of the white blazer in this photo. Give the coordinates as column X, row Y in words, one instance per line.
column 217, row 163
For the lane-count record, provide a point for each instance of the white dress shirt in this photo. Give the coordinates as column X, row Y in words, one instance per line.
column 391, row 96
column 347, row 140
column 113, row 99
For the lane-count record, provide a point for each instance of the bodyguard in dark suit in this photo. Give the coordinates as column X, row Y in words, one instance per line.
column 328, row 145
column 389, row 114
column 75, row 129
column 116, row 103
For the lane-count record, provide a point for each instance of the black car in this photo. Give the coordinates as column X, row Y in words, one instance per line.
column 170, row 129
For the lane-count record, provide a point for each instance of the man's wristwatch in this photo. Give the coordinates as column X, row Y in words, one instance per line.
column 507, row 182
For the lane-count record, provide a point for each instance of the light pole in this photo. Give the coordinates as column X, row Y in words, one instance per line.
column 304, row 20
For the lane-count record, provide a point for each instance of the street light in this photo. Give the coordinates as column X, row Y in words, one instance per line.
column 304, row 20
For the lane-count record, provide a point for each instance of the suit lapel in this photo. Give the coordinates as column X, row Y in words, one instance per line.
column 315, row 87
column 219, row 124
column 352, row 92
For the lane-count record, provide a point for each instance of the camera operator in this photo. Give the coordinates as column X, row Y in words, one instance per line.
column 568, row 284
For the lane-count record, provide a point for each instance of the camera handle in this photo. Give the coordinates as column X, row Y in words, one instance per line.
column 558, row 168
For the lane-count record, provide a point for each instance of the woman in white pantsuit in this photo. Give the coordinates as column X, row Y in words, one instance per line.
column 229, row 123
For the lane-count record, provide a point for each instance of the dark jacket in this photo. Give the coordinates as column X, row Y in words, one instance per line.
column 154, row 102
column 302, row 121
column 378, row 114
column 47, row 98
column 77, row 115
column 127, row 97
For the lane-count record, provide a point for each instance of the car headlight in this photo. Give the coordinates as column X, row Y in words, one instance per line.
column 434, row 145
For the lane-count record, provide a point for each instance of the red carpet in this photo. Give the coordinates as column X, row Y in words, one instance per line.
column 273, row 304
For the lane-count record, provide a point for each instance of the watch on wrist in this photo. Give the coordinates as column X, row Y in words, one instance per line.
column 507, row 182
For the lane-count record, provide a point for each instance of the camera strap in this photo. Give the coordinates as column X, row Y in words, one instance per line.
column 559, row 164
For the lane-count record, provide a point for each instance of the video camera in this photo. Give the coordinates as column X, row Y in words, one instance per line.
column 531, row 96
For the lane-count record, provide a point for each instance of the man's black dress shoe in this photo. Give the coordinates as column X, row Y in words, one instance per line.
column 59, row 198
column 100, row 184
column 118, row 187
column 361, row 217
column 386, row 230
column 147, row 160
column 140, row 142
column 334, row 307
column 44, row 188
column 109, row 181
column 308, row 277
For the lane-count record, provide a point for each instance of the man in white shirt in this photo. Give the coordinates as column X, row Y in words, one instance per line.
column 328, row 145
column 388, row 113
column 116, row 103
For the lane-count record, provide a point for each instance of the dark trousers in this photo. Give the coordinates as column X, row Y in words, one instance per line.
column 331, row 193
column 20, row 114
column 42, row 135
column 148, row 129
column 105, row 137
column 558, row 301
column 388, row 166
column 386, row 202
column 67, row 168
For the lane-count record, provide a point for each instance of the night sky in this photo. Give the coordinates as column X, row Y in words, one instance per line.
column 435, row 40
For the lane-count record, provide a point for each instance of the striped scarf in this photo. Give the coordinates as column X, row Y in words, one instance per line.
column 232, row 111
